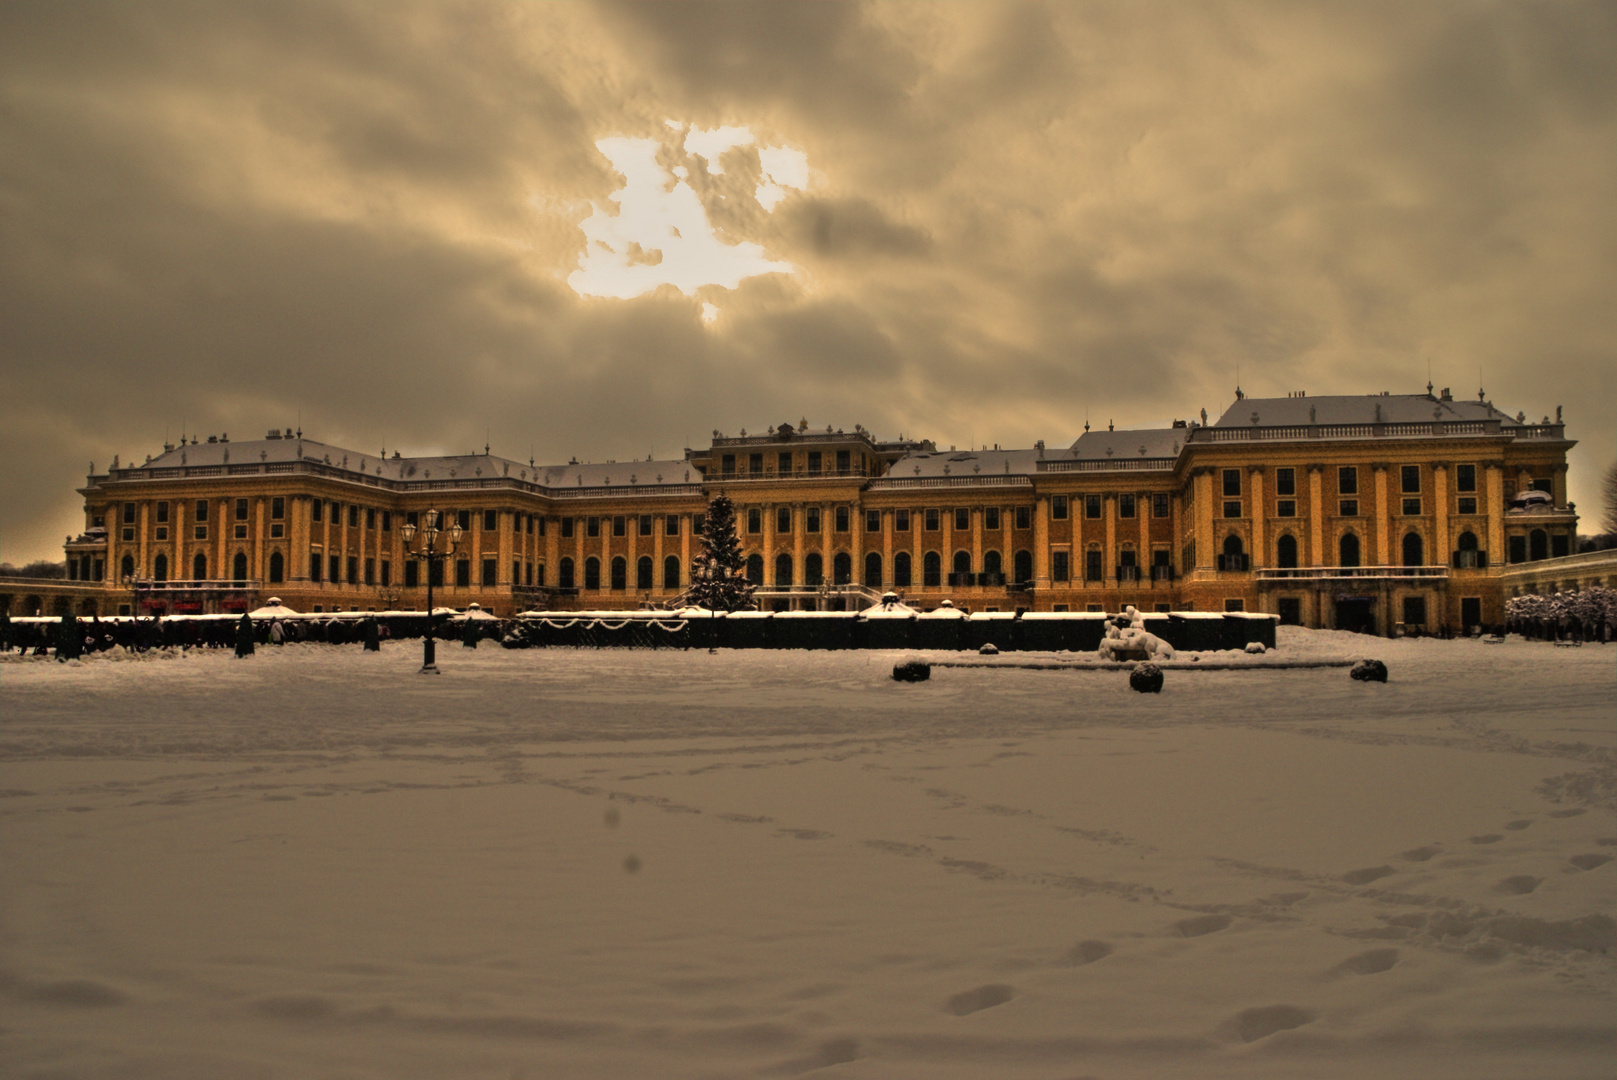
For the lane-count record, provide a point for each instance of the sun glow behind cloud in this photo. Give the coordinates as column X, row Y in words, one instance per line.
column 661, row 233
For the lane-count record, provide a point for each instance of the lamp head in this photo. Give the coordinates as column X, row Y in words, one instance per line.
column 409, row 532
column 454, row 533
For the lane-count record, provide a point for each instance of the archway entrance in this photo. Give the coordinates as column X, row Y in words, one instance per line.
column 1356, row 614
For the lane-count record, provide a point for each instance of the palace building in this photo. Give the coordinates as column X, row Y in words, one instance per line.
column 1356, row 512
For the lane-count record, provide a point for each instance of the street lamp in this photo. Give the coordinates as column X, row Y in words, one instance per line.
column 427, row 554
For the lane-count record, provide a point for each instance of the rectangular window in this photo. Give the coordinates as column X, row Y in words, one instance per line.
column 370, row 517
column 315, row 561
column 1347, row 480
column 1059, row 569
column 872, row 521
column 1058, row 507
column 412, row 574
column 129, row 513
column 387, row 573
column 1411, row 507
column 991, row 519
column 783, row 464
column 1092, row 567
column 353, row 569
column 1234, row 603
column 962, row 519
column 1465, row 478
column 277, row 530
column 1286, row 481
column 241, row 532
column 755, row 464
column 698, row 524
column 412, row 517
column 901, row 521
column 241, row 509
column 317, row 510
column 541, row 523
column 435, row 574
column 1542, row 485
column 162, row 532
column 1286, row 508
column 1232, row 508
column 334, row 569
column 1232, row 483
column 1092, row 507
column 727, row 464
column 462, row 517
column 277, row 508
column 370, row 571
column 516, row 572
column 814, row 463
column 1125, row 506
column 620, row 525
column 162, row 511
column 1409, row 475
column 200, row 532
column 567, row 528
column 1159, row 505
column 755, row 520
column 387, row 521
column 843, row 462
column 353, row 516
column 1348, row 508
column 783, row 519
column 1468, row 504
column 645, row 524
column 463, row 573
column 336, row 513
column 202, row 510
column 843, row 519
column 592, row 527
column 490, row 573
column 1024, row 517
column 671, row 525
column 933, row 522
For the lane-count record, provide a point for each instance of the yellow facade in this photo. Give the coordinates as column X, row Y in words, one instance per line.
column 1230, row 516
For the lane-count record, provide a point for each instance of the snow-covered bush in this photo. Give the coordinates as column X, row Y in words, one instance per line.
column 1146, row 679
column 1584, row 613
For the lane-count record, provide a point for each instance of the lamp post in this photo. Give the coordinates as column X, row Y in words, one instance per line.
column 428, row 554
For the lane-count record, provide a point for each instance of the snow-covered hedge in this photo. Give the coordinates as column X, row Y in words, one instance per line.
column 1588, row 613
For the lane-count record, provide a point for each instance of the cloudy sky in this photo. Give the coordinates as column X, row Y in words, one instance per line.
column 606, row 230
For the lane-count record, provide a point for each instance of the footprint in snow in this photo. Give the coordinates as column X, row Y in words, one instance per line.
column 1373, row 962
column 1589, row 862
column 1202, row 925
column 1367, row 875
column 1517, row 826
column 1420, row 854
column 1087, row 952
column 983, row 997
column 1519, row 885
column 1254, row 1024
column 1487, row 838
column 1574, row 812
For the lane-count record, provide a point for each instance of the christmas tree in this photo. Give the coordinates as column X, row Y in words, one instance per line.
column 718, row 575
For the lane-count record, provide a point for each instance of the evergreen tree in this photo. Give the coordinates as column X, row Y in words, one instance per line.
column 718, row 575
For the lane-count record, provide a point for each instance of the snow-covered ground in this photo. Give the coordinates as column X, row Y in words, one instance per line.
column 315, row 863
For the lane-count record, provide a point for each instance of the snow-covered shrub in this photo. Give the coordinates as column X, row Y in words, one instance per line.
column 1369, row 671
column 1146, row 679
column 912, row 671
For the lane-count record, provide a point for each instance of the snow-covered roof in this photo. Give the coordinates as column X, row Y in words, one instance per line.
column 1356, row 409
column 1134, row 443
column 966, row 463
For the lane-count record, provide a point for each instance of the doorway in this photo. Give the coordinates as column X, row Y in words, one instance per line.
column 1356, row 614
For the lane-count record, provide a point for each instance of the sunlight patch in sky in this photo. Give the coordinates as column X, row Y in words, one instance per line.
column 661, row 234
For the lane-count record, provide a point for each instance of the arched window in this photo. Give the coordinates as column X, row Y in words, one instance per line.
column 1468, row 541
column 1414, row 550
column 1538, row 545
column 1286, row 552
column 592, row 573
column 671, row 572
column 160, row 568
column 813, row 569
column 992, row 565
column 932, row 569
column 644, row 573
column 199, row 567
column 1234, row 557
column 126, row 567
column 901, row 570
column 962, row 562
column 277, row 569
column 755, row 568
column 1023, row 565
column 1348, row 550
column 873, row 569
column 1232, row 545
column 842, row 569
column 620, row 573
column 240, row 566
column 783, row 570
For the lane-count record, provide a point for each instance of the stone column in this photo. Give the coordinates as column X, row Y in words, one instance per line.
column 887, row 549
column 508, row 551
column 856, row 543
column 799, row 539
column 1108, row 557
column 142, row 567
column 1041, row 544
column 1494, row 481
column 1206, row 548
column 946, row 530
column 977, row 539
column 1439, row 555
column 1260, row 553
column 1383, row 516
column 1316, row 515
column 769, row 544
column 659, row 529
column 686, row 540
column 1142, row 510
column 181, row 570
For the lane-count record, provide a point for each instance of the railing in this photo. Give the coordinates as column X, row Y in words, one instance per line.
column 1334, row 573
column 1106, row 464
column 1161, row 573
column 1473, row 559
column 773, row 438
column 1128, row 573
column 1420, row 429
column 1234, row 562
column 794, row 474
column 195, row 585
column 353, row 476
column 892, row 483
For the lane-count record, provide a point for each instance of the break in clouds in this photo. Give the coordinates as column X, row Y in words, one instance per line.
column 661, row 233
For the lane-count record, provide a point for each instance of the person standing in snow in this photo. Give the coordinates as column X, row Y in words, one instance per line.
column 373, row 636
column 68, row 642
column 277, row 633
column 244, row 637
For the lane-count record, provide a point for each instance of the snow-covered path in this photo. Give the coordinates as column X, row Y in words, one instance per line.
column 626, row 864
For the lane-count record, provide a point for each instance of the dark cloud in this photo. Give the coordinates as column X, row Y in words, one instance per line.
column 235, row 215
